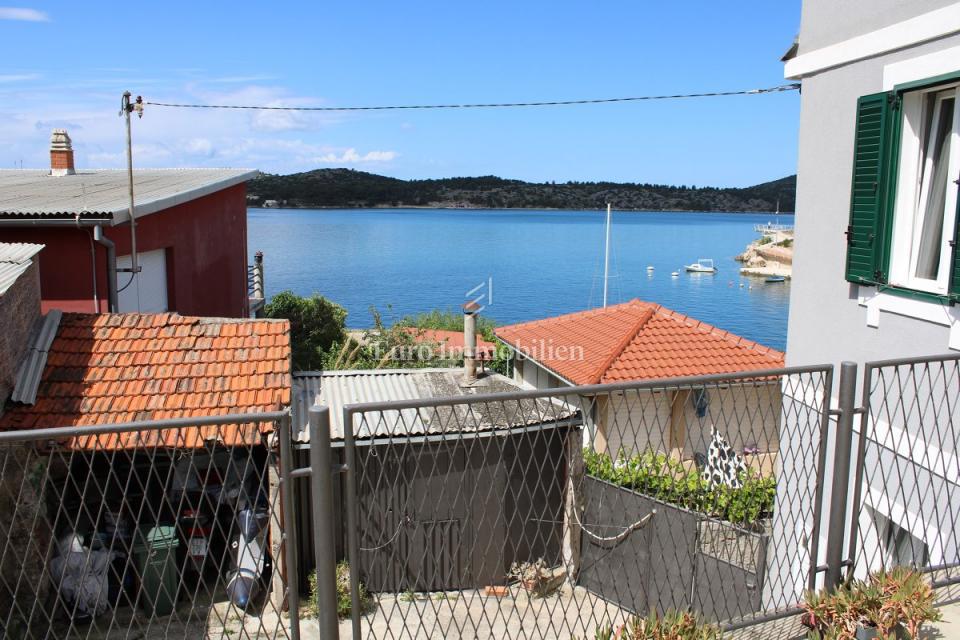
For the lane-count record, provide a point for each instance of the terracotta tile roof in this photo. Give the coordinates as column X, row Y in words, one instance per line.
column 110, row 368
column 635, row 341
column 451, row 340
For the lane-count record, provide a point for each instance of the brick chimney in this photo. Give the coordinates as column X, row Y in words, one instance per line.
column 61, row 154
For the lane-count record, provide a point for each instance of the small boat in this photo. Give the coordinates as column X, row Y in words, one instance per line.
column 650, row 268
column 774, row 279
column 702, row 265
column 675, row 274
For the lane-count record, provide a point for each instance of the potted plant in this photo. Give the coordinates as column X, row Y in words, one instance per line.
column 673, row 625
column 907, row 600
column 886, row 605
column 534, row 576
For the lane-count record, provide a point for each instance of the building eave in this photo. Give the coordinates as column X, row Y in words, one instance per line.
column 929, row 26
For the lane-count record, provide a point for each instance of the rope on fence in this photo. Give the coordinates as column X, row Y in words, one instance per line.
column 620, row 537
column 403, row 522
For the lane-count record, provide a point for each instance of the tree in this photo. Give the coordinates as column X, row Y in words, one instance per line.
column 316, row 324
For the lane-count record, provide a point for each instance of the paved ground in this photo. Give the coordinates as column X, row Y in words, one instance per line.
column 472, row 614
column 568, row 613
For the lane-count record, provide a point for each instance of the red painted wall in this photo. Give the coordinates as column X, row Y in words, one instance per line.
column 206, row 244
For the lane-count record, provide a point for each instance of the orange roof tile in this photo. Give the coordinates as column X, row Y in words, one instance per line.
column 635, row 340
column 110, row 368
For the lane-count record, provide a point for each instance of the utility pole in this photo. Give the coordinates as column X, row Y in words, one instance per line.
column 606, row 258
column 126, row 108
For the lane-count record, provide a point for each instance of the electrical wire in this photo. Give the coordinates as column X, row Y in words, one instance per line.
column 487, row 105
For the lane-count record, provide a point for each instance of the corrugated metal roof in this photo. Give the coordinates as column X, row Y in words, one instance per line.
column 336, row 389
column 31, row 369
column 103, row 193
column 15, row 258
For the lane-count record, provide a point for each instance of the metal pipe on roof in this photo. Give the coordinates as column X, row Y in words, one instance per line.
column 93, row 268
column 60, row 433
column 112, row 295
column 127, row 108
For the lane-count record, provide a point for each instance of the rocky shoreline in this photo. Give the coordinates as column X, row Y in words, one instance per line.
column 770, row 255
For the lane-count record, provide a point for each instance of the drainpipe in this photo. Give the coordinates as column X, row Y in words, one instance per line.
column 470, row 311
column 111, row 267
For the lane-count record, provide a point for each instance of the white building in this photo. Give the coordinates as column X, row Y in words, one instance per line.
column 876, row 269
column 642, row 341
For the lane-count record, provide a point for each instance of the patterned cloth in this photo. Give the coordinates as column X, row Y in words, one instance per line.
column 724, row 465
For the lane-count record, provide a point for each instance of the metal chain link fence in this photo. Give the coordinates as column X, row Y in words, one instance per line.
column 906, row 502
column 557, row 513
column 172, row 529
column 533, row 514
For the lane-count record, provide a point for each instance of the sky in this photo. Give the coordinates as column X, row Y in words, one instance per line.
column 67, row 64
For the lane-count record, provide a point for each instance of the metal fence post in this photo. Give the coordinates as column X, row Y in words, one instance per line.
column 843, row 441
column 353, row 544
column 289, row 527
column 321, row 484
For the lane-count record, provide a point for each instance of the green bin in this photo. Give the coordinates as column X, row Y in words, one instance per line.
column 156, row 553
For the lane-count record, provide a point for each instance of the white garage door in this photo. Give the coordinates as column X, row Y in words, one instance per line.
column 147, row 293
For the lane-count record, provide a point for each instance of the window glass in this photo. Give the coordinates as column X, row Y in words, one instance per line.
column 933, row 185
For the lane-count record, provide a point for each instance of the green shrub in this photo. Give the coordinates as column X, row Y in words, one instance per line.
column 664, row 478
column 396, row 347
column 316, row 324
column 344, row 602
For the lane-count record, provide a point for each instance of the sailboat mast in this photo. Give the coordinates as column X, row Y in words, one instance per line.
column 606, row 258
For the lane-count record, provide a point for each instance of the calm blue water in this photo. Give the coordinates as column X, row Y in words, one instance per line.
column 542, row 263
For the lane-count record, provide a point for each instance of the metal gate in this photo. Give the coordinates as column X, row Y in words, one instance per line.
column 558, row 513
column 162, row 529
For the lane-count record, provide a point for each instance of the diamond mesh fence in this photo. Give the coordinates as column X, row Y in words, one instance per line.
column 906, row 499
column 147, row 531
column 555, row 514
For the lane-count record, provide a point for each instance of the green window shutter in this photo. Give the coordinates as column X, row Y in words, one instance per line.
column 872, row 163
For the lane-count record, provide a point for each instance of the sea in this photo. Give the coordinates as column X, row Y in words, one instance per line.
column 520, row 264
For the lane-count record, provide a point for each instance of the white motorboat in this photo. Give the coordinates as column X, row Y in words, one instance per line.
column 702, row 265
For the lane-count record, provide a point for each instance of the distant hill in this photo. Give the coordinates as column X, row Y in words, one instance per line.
column 348, row 188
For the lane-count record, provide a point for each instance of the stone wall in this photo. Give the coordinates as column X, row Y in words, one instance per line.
column 19, row 313
column 25, row 531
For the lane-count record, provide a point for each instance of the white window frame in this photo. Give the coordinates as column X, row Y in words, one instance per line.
column 908, row 219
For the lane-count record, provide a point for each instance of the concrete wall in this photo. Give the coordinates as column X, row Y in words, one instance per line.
column 638, row 421
column 19, row 313
column 205, row 241
column 826, row 22
column 531, row 375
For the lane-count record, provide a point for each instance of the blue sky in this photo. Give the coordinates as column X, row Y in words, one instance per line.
column 67, row 63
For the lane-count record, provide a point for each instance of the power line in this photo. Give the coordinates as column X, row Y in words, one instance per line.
column 487, row 105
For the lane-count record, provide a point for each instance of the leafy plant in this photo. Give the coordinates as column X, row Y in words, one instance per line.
column 886, row 601
column 667, row 479
column 401, row 346
column 673, row 625
column 534, row 576
column 344, row 601
column 316, row 324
